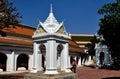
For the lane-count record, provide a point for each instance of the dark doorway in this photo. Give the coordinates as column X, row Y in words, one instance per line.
column 43, row 52
column 22, row 61
column 102, row 58
column 59, row 48
column 42, row 49
column 77, row 59
column 3, row 60
column 43, row 62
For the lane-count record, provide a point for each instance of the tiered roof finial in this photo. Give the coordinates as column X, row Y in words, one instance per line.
column 51, row 11
column 51, row 19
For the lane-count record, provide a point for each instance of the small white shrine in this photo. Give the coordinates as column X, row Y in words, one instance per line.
column 102, row 55
column 51, row 46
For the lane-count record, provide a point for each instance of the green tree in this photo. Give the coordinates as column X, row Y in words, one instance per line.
column 110, row 27
column 9, row 15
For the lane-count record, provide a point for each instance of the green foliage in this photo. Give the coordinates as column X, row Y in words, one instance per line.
column 8, row 15
column 110, row 26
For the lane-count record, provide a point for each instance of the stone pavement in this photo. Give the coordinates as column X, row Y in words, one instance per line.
column 92, row 73
column 83, row 73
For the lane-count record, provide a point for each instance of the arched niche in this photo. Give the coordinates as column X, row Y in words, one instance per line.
column 59, row 49
column 42, row 49
column 3, row 60
column 22, row 62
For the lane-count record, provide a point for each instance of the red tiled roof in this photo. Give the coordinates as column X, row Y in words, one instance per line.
column 20, row 30
column 15, row 41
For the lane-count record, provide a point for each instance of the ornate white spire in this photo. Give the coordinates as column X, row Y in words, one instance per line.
column 51, row 25
column 51, row 19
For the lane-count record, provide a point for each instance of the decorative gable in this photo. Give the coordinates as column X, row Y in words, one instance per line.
column 61, row 30
column 40, row 30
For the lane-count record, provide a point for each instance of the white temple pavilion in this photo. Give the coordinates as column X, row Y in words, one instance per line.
column 51, row 40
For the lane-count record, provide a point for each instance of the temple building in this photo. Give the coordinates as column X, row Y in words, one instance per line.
column 25, row 47
column 16, row 48
column 82, row 39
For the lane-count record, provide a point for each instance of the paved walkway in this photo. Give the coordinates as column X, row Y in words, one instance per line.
column 83, row 73
column 92, row 73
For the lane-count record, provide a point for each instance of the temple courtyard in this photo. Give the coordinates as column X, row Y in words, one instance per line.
column 83, row 73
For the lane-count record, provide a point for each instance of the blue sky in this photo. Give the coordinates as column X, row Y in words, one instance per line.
column 79, row 16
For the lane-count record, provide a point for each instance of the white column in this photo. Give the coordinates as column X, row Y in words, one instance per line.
column 75, row 58
column 86, row 61
column 90, row 61
column 16, row 55
column 35, row 58
column 69, row 65
column 66, row 54
column 79, row 62
column 51, row 57
column 30, row 62
column 12, row 61
column 62, row 60
column 97, row 59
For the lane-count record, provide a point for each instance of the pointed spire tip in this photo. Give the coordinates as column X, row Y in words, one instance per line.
column 51, row 8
